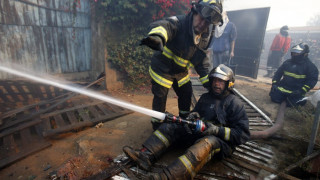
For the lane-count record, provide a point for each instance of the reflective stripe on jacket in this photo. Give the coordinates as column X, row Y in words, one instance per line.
column 295, row 75
column 180, row 53
column 228, row 113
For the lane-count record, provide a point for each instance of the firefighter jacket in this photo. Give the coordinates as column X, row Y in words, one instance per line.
column 227, row 112
column 281, row 43
column 180, row 52
column 300, row 74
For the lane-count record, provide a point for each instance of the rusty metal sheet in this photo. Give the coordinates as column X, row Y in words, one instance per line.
column 45, row 36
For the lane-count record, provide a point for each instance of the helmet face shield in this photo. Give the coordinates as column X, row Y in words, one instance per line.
column 210, row 14
column 297, row 49
column 210, row 10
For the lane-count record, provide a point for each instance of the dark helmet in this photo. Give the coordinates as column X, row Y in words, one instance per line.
column 223, row 72
column 300, row 49
column 284, row 28
column 211, row 10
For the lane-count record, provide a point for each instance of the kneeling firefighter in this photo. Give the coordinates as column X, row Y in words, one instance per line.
column 226, row 124
column 294, row 78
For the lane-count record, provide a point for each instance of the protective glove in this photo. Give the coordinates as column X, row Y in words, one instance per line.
column 193, row 116
column 169, row 117
column 211, row 129
column 154, row 42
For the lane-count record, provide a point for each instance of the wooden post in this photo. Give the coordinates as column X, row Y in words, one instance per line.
column 314, row 131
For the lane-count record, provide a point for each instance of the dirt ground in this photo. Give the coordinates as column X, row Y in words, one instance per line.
column 81, row 154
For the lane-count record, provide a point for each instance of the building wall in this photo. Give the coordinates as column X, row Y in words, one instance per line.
column 47, row 36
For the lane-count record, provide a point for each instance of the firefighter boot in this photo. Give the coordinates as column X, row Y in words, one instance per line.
column 159, row 175
column 143, row 158
column 187, row 165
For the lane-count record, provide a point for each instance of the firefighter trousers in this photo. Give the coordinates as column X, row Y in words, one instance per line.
column 160, row 94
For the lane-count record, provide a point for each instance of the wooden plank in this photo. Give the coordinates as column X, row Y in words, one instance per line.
column 93, row 111
column 59, row 120
column 71, row 117
column 103, row 108
column 27, row 151
column 70, row 109
column 46, row 124
column 9, row 144
column 12, row 130
column 25, row 137
column 83, row 114
column 82, row 124
column 68, row 128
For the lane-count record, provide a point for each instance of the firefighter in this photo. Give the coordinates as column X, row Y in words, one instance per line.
column 180, row 43
column 294, row 78
column 226, row 123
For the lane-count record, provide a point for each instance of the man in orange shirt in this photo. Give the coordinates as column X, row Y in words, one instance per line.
column 279, row 47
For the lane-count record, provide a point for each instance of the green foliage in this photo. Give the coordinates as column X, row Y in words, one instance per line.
column 126, row 24
column 130, row 59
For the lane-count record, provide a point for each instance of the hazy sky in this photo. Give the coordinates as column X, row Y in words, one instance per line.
column 282, row 12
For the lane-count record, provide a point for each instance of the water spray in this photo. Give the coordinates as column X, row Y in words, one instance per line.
column 86, row 92
column 197, row 125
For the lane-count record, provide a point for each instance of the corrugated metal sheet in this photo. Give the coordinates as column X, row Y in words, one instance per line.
column 45, row 35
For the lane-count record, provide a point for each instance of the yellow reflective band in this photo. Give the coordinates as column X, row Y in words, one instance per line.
column 227, row 132
column 178, row 60
column 210, row 1
column 184, row 80
column 160, row 30
column 284, row 90
column 274, row 81
column 160, row 80
column 204, row 79
column 307, row 86
column 213, row 152
column 162, row 137
column 294, row 75
column 185, row 161
column 304, row 89
column 190, row 65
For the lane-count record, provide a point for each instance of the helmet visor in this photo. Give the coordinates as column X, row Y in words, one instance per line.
column 297, row 49
column 220, row 76
column 211, row 15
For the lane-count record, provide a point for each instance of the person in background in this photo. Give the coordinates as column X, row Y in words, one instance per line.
column 180, row 43
column 222, row 45
column 294, row 78
column 227, row 126
column 279, row 47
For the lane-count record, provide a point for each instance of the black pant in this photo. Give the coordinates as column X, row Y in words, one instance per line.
column 160, row 94
column 278, row 96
